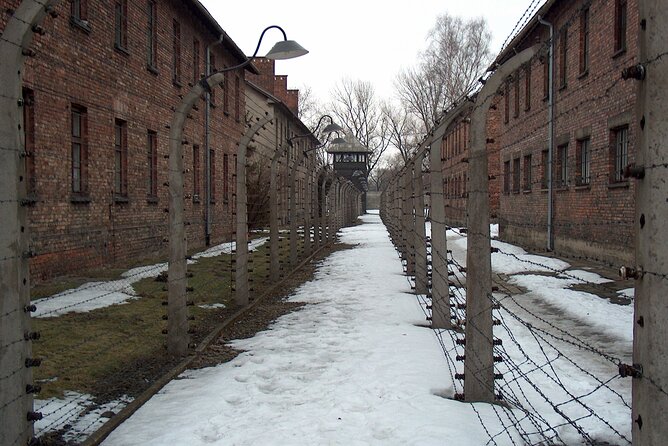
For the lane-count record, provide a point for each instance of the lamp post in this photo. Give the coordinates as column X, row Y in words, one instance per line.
column 177, row 322
column 328, row 129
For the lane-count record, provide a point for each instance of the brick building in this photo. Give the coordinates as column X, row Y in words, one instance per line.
column 455, row 147
column 593, row 136
column 100, row 94
column 267, row 92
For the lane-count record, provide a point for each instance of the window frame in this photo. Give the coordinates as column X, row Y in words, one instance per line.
column 79, row 185
column 562, row 166
column 517, row 166
column 527, row 87
column 619, row 154
column 120, row 159
column 176, row 52
column 226, row 178
column 152, row 35
column 620, row 26
column 516, row 88
column 506, row 177
column 583, row 159
column 121, row 25
column 526, row 187
column 563, row 57
column 545, row 162
column 152, row 164
column 585, row 31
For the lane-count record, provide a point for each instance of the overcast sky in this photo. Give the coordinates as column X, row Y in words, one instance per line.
column 369, row 40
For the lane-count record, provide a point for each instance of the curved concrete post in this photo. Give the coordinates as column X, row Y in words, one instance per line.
column 479, row 363
column 241, row 296
column 15, row 403
column 293, row 212
column 306, row 207
column 317, row 207
column 419, row 240
column 177, row 321
column 408, row 219
column 274, row 269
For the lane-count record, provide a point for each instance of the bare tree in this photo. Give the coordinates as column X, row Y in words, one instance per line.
column 403, row 129
column 457, row 54
column 355, row 107
column 380, row 177
column 309, row 108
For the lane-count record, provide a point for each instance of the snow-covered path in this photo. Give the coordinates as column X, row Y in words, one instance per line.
column 353, row 367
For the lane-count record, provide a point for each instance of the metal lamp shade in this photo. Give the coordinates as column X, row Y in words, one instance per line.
column 329, row 128
column 286, row 49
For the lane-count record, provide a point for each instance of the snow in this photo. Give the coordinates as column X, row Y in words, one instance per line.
column 77, row 413
column 93, row 295
column 357, row 365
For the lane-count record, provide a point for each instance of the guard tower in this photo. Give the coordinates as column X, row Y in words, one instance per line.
column 351, row 161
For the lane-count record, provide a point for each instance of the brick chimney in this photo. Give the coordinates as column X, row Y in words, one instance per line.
column 293, row 101
column 265, row 79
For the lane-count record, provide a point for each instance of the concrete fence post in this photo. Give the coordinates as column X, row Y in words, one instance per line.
column 408, row 220
column 419, row 239
column 241, row 295
column 292, row 178
column 479, row 362
column 273, row 217
column 307, row 211
column 16, row 404
column 317, row 207
column 650, row 333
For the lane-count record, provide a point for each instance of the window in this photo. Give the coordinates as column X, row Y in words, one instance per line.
column 226, row 178
column 237, row 98
column 562, row 165
column 120, row 158
column 527, row 172
column 516, row 175
column 152, row 35
column 516, row 111
column 212, row 175
column 152, row 164
column 546, row 78
column 176, row 53
column 121, row 24
column 563, row 56
column 79, row 10
column 506, row 177
column 196, row 173
column 620, row 26
column 527, row 86
column 545, row 161
column 506, row 103
column 226, row 93
column 583, row 155
column 196, row 68
column 620, row 153
column 79, row 134
column 29, row 141
column 584, row 41
column 212, row 67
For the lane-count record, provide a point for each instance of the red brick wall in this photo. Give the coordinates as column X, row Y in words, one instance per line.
column 595, row 220
column 73, row 66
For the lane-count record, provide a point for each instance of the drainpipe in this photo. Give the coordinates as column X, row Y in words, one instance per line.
column 207, row 153
column 550, row 130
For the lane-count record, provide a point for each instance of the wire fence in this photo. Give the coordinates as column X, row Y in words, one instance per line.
column 559, row 368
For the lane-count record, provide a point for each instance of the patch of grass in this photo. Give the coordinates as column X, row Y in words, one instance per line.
column 120, row 349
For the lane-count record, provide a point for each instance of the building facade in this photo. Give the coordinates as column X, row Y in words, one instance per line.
column 592, row 138
column 100, row 94
column 286, row 142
